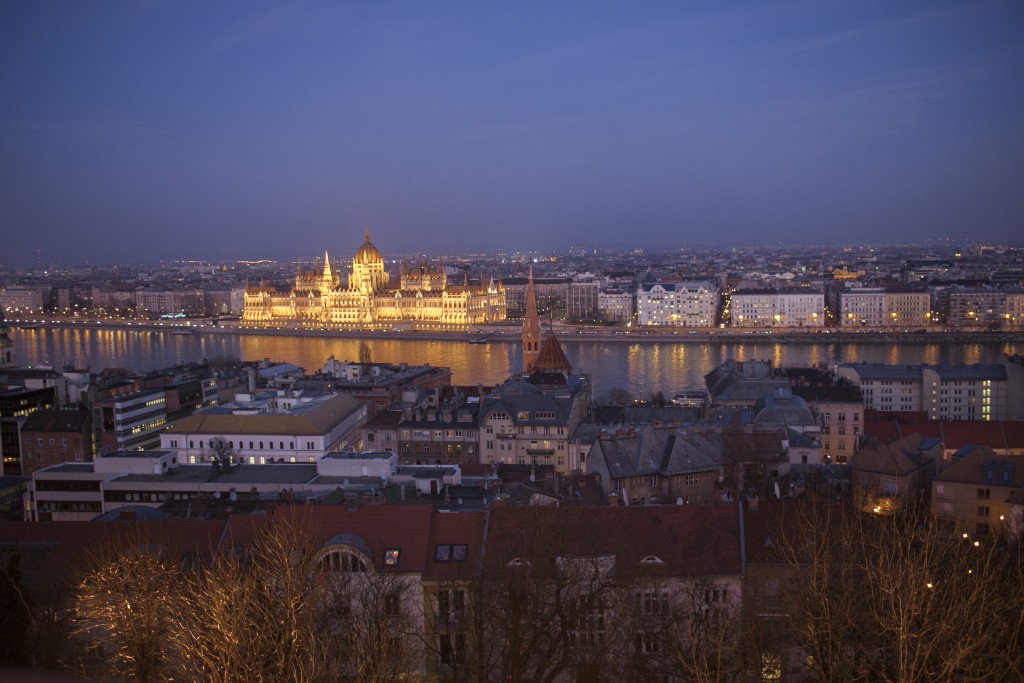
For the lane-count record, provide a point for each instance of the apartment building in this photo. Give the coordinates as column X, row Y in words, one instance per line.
column 677, row 304
column 777, row 308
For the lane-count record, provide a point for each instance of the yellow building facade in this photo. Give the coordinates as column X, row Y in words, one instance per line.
column 423, row 298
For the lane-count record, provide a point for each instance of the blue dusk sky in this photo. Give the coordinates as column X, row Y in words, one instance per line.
column 145, row 131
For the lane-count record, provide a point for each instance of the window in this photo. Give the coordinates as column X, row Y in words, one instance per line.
column 590, row 625
column 452, row 649
column 648, row 643
column 342, row 560
column 451, row 552
column 654, row 602
column 391, row 557
column 984, row 493
column 392, row 604
column 451, row 604
column 983, row 511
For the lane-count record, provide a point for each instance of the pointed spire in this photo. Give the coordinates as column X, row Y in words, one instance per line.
column 366, row 233
column 531, row 327
column 327, row 265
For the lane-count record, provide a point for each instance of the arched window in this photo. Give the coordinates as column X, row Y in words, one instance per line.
column 342, row 560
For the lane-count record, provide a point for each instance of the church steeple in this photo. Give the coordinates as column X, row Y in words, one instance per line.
column 327, row 266
column 531, row 328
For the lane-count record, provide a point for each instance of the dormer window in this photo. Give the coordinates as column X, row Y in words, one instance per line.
column 519, row 562
column 451, row 552
column 652, row 559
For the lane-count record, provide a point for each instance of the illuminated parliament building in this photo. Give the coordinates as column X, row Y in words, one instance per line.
column 424, row 297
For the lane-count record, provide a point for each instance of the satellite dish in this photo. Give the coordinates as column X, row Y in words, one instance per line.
column 233, row 496
column 459, row 501
column 216, row 494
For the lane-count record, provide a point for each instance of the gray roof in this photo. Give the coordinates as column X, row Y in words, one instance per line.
column 742, row 382
column 969, row 372
column 690, row 286
column 785, row 409
column 880, row 371
column 239, row 475
column 520, row 397
column 653, row 450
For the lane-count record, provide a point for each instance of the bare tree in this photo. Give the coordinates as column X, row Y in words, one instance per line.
column 123, row 604
column 369, row 625
column 285, row 599
column 534, row 613
column 365, row 355
column 901, row 598
column 221, row 452
column 620, row 396
column 214, row 631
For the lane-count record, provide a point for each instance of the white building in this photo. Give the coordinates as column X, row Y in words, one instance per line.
column 22, row 299
column 945, row 392
column 884, row 307
column 151, row 479
column 274, row 426
column 778, row 308
column 615, row 305
column 680, row 304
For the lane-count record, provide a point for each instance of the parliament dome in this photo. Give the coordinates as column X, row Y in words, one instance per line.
column 367, row 253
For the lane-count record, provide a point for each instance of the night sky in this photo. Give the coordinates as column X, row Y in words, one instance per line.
column 143, row 131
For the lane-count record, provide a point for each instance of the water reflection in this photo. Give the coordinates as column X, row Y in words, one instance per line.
column 641, row 369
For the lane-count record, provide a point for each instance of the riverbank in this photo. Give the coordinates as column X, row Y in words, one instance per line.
column 510, row 333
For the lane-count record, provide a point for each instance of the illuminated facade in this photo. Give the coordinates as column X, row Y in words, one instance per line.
column 424, row 298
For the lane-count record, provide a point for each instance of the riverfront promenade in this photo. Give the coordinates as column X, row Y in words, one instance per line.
column 511, row 331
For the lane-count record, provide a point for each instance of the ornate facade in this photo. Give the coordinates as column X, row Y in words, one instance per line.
column 423, row 297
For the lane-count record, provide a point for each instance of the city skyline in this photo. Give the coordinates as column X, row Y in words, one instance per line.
column 136, row 133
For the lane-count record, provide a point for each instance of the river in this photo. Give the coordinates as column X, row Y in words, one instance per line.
column 640, row 368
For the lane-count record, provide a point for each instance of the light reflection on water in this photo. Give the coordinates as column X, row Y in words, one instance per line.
column 641, row 369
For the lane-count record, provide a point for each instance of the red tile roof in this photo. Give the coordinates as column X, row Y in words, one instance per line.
column 449, row 529
column 998, row 434
column 382, row 527
column 689, row 540
column 551, row 357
